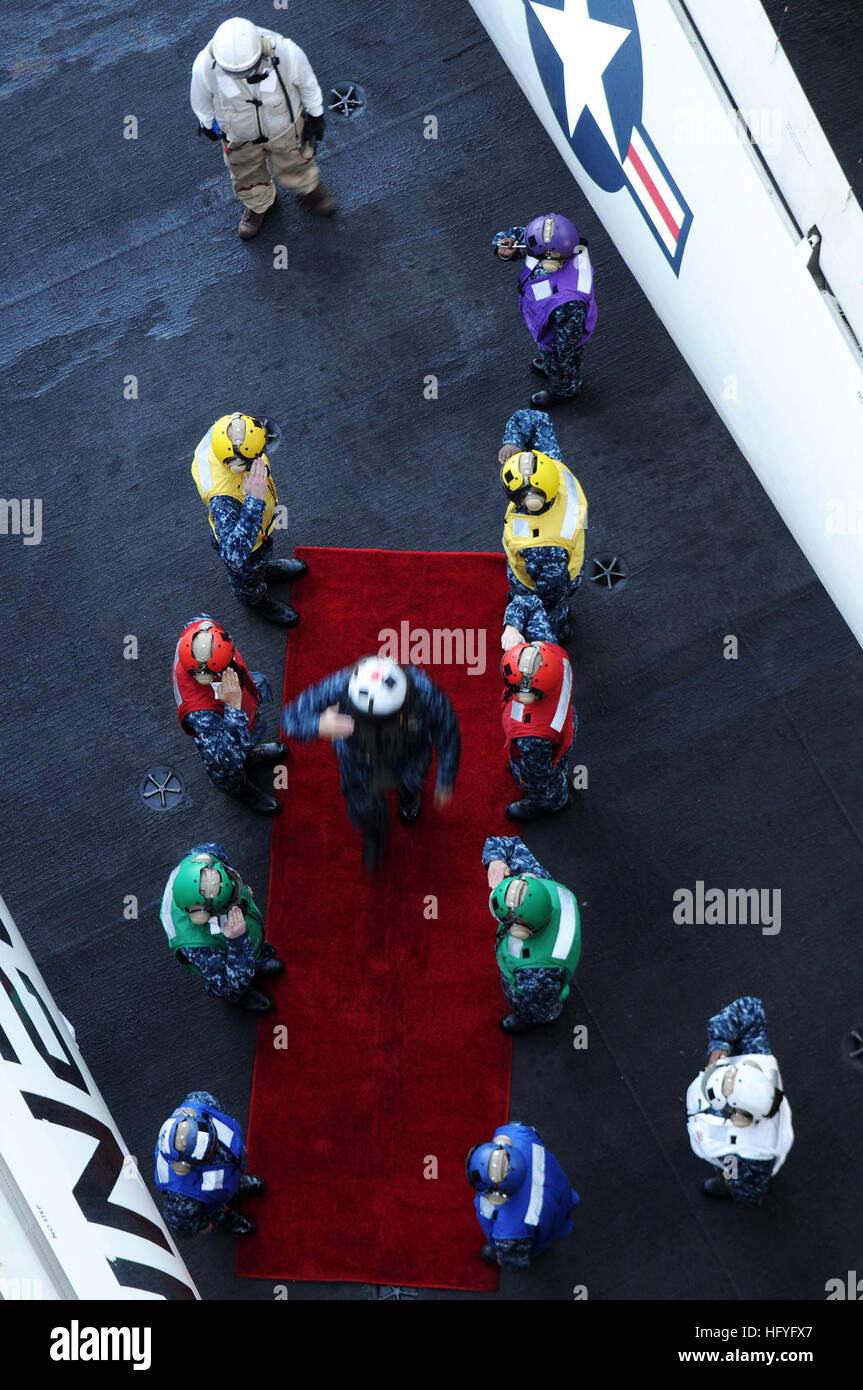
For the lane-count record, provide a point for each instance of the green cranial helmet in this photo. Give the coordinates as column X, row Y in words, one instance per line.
column 203, row 884
column 522, row 899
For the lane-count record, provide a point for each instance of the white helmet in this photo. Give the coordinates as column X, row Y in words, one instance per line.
column 743, row 1088
column 377, row 686
column 237, row 45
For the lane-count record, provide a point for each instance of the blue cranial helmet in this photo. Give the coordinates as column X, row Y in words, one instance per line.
column 187, row 1138
column 496, row 1167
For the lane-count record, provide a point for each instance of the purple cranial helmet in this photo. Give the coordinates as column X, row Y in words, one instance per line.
column 550, row 233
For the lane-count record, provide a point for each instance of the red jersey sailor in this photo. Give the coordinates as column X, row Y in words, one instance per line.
column 539, row 724
column 217, row 699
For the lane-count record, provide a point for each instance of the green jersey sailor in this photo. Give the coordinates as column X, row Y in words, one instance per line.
column 538, row 942
column 216, row 929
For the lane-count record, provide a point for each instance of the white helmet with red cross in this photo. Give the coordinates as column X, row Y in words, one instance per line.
column 377, row 687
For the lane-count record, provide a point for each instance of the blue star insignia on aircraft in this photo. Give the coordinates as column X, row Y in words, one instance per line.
column 588, row 53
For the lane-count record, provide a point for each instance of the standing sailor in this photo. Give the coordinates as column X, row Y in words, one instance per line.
column 255, row 91
column 216, row 929
column 543, row 533
column 525, row 1201
column 538, row 942
column 200, row 1162
column 217, row 699
column 737, row 1115
column 232, row 475
column 556, row 298
column 539, row 725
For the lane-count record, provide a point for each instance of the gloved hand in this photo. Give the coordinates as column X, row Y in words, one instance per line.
column 313, row 127
column 212, row 133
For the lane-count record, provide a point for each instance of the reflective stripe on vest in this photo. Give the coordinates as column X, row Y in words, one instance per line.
column 202, row 459
column 566, row 926
column 537, row 1183
column 571, row 516
column 165, row 911
column 178, row 697
column 562, row 710
column 225, row 1134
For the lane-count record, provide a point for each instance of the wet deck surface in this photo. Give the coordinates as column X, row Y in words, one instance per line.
column 125, row 261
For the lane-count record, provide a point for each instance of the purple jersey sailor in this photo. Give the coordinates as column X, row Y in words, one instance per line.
column 540, row 296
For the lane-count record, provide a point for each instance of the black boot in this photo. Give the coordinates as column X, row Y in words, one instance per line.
column 547, row 400
column 487, row 1253
column 270, row 967
column 409, row 807
column 238, row 1225
column 529, row 810
column 250, row 1186
column 512, row 1024
column 285, row 569
column 256, row 800
column 256, row 1002
column 524, row 810
column 715, row 1187
column 538, row 366
column 276, row 612
column 266, row 753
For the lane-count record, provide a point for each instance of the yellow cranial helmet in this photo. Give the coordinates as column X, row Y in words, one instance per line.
column 526, row 475
column 238, row 437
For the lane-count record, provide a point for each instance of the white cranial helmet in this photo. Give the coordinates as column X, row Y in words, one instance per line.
column 237, row 45
column 377, row 686
column 743, row 1087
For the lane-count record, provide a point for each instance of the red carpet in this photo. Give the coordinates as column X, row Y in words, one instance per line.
column 395, row 1064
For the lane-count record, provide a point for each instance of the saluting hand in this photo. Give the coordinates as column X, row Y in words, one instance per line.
column 255, row 481
column 235, row 925
column 230, row 691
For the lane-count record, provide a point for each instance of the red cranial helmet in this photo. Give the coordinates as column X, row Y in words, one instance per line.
column 531, row 667
column 204, row 646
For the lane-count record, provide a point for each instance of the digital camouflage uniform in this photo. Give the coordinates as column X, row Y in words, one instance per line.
column 739, row 1028
column 185, row 1216
column 538, row 997
column 223, row 740
column 238, row 526
column 528, row 608
column 542, row 782
column 227, row 974
column 563, row 361
column 547, row 565
column 437, row 728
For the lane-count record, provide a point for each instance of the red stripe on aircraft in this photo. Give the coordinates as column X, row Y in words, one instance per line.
column 654, row 193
